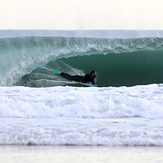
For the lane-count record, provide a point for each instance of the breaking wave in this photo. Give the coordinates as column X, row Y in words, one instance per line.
column 29, row 61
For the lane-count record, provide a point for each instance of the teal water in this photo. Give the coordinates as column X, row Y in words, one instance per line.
column 30, row 61
column 126, row 69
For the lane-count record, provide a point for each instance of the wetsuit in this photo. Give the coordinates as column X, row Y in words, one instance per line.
column 84, row 79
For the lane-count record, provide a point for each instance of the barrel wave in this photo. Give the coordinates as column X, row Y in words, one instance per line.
column 30, row 61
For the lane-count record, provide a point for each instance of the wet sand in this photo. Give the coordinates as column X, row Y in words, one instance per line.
column 80, row 154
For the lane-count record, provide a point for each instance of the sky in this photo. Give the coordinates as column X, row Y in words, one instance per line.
column 81, row 14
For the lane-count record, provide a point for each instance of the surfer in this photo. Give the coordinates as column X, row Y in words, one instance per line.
column 81, row 79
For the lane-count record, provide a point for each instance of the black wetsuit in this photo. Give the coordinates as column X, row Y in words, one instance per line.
column 84, row 79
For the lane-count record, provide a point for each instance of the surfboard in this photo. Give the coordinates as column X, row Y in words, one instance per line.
column 85, row 84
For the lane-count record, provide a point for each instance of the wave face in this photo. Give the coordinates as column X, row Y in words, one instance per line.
column 30, row 61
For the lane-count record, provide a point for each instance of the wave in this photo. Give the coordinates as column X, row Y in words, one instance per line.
column 30, row 61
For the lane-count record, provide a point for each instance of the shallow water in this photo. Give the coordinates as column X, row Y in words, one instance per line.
column 81, row 132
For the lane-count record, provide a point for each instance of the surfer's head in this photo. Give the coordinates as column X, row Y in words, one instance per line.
column 93, row 73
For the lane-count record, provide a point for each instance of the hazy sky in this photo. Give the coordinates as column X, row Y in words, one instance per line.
column 81, row 14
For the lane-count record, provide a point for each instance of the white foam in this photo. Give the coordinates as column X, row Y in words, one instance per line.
column 77, row 131
column 109, row 102
column 82, row 116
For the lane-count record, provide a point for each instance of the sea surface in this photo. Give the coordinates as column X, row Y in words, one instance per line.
column 41, row 109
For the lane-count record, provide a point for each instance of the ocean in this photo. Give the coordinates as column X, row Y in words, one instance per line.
column 42, row 111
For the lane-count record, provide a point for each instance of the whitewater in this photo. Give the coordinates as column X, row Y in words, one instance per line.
column 38, row 107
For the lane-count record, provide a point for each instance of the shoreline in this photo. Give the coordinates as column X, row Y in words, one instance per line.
column 80, row 154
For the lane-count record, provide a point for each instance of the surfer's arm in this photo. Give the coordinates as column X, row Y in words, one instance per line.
column 92, row 81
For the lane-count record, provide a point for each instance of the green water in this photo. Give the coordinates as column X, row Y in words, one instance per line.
column 125, row 69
